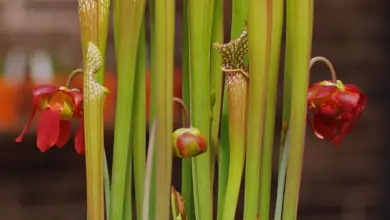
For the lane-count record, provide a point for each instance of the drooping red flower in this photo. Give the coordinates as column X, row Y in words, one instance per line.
column 335, row 108
column 59, row 105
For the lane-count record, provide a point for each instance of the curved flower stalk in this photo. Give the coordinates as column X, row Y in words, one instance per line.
column 237, row 79
column 59, row 105
column 188, row 141
column 335, row 107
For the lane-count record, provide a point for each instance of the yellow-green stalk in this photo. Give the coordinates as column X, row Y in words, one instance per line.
column 164, row 45
column 216, row 79
column 139, row 125
column 152, row 100
column 259, row 27
column 128, row 16
column 93, row 18
column 200, row 24
column 269, row 124
column 288, row 64
column 301, row 41
column 239, row 16
column 186, row 167
column 237, row 80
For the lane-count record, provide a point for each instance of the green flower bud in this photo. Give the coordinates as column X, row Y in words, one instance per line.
column 188, row 142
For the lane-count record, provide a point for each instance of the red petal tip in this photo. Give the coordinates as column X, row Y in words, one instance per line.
column 48, row 129
column 79, row 139
column 64, row 133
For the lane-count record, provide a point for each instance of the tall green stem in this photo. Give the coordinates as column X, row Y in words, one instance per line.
column 127, row 21
column 200, row 24
column 239, row 16
column 301, row 39
column 288, row 64
column 152, row 100
column 164, row 29
column 216, row 82
column 272, row 87
column 259, row 29
column 186, row 173
column 93, row 22
column 139, row 125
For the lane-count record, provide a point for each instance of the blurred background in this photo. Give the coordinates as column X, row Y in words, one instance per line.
column 40, row 43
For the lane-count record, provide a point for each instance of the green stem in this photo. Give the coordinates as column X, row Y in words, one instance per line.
column 164, row 21
column 282, row 179
column 272, row 87
column 239, row 16
column 200, row 24
column 223, row 157
column 216, row 82
column 148, row 173
column 288, row 64
column 107, row 185
column 301, row 41
column 152, row 100
column 93, row 23
column 127, row 21
column 139, row 125
column 186, row 173
column 259, row 33
column 94, row 96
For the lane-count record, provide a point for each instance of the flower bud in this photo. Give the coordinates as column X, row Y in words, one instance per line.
column 188, row 142
column 335, row 108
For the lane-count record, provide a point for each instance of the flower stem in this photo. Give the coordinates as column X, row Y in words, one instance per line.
column 186, row 167
column 185, row 111
column 259, row 39
column 94, row 96
column 239, row 16
column 301, row 41
column 93, row 23
column 148, row 173
column 216, row 86
column 328, row 63
column 200, row 24
column 152, row 101
column 288, row 64
column 128, row 17
column 71, row 77
column 269, row 124
column 164, row 29
column 139, row 125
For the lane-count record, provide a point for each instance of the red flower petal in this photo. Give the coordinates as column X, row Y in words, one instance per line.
column 20, row 138
column 48, row 129
column 77, row 99
column 325, row 127
column 347, row 126
column 363, row 97
column 79, row 139
column 42, row 90
column 64, row 133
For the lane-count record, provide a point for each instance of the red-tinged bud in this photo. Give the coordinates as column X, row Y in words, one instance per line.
column 188, row 142
column 335, row 108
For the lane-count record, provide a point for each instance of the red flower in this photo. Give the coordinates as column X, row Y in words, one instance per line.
column 335, row 109
column 59, row 106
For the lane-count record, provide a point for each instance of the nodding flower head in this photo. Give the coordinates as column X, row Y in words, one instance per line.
column 59, row 105
column 334, row 109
